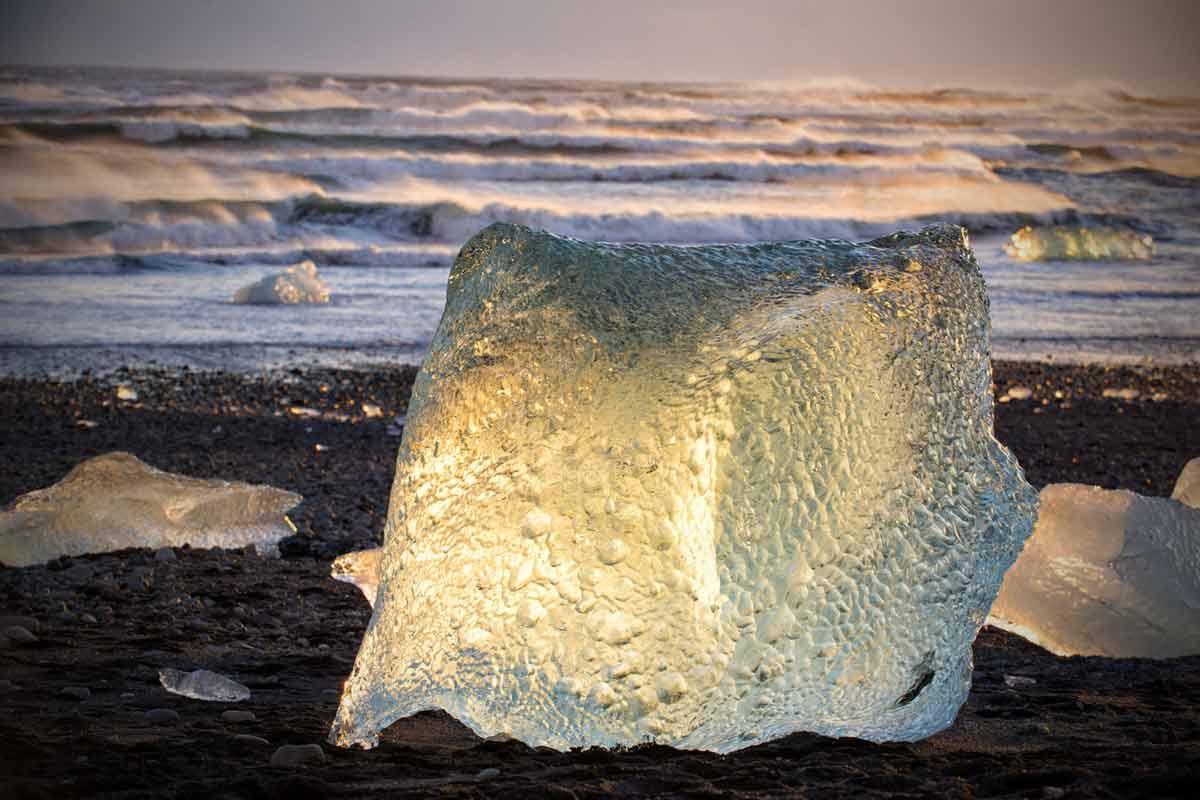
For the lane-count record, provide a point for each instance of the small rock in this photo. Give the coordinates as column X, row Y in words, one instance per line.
column 78, row 692
column 488, row 774
column 294, row 755
column 162, row 716
column 88, row 618
column 1053, row 792
column 165, row 554
column 6, row 685
column 237, row 715
column 79, row 573
column 5, row 643
column 9, row 620
column 19, row 634
column 248, row 739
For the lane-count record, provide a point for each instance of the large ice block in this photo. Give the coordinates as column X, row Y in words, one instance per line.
column 115, row 501
column 703, row 496
column 1106, row 573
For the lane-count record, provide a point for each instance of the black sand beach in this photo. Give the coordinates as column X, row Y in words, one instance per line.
column 1085, row 727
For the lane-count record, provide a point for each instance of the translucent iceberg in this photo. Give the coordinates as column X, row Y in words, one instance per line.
column 298, row 283
column 203, row 685
column 360, row 568
column 703, row 496
column 115, row 500
column 1106, row 573
column 1187, row 486
column 1079, row 244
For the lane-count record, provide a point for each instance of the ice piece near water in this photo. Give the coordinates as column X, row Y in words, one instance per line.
column 1187, row 486
column 1106, row 573
column 116, row 500
column 298, row 283
column 360, row 568
column 703, row 496
column 1079, row 244
column 203, row 685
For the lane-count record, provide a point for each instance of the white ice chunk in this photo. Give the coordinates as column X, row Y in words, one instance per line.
column 203, row 685
column 703, row 496
column 115, row 500
column 1079, row 244
column 1187, row 487
column 1106, row 573
column 360, row 568
column 298, row 283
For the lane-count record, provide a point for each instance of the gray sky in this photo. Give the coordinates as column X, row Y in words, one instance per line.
column 1149, row 45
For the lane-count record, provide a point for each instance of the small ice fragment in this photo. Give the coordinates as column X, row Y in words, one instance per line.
column 127, row 393
column 1079, row 244
column 1018, row 393
column 371, row 411
column 85, row 424
column 1018, row 681
column 360, row 568
column 203, row 685
column 115, row 501
column 1187, row 487
column 1107, row 573
column 1126, row 393
column 395, row 428
column 304, row 411
column 298, row 283
column 320, row 448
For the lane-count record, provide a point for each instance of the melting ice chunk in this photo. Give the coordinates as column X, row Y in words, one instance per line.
column 115, row 500
column 203, row 685
column 298, row 283
column 360, row 568
column 1107, row 573
column 703, row 496
column 1079, row 244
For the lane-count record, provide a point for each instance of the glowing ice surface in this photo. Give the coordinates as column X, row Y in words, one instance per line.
column 298, row 283
column 704, row 496
column 115, row 500
column 203, row 685
column 1107, row 573
column 1187, row 486
column 360, row 568
column 1079, row 244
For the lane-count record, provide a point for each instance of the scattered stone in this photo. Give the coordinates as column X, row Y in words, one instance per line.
column 294, row 755
column 19, row 634
column 79, row 573
column 78, row 692
column 88, row 618
column 165, row 554
column 1053, row 792
column 237, row 715
column 162, row 716
column 248, row 739
column 491, row 773
column 6, row 685
column 25, row 622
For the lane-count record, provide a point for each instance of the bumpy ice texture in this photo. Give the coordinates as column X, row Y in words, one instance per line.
column 203, row 684
column 298, row 283
column 1187, row 487
column 360, row 568
column 1079, row 244
column 1106, row 573
column 704, row 496
column 116, row 500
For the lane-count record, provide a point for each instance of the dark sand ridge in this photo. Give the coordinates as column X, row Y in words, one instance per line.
column 1088, row 727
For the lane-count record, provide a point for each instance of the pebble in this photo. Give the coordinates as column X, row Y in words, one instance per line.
column 164, row 554
column 78, row 692
column 236, row 715
column 9, row 620
column 248, row 739
column 79, row 573
column 6, row 685
column 19, row 634
column 1053, row 792
column 488, row 774
column 162, row 716
column 294, row 755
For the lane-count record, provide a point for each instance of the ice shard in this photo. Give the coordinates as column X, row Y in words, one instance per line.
column 115, row 501
column 1106, row 573
column 203, row 684
column 1187, row 486
column 360, row 568
column 1061, row 243
column 702, row 496
column 298, row 283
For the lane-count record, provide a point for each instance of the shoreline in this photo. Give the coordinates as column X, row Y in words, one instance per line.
column 1086, row 727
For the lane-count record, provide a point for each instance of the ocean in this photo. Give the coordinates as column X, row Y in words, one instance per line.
column 134, row 203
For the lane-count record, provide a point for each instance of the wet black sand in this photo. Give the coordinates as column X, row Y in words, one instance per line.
column 1088, row 727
